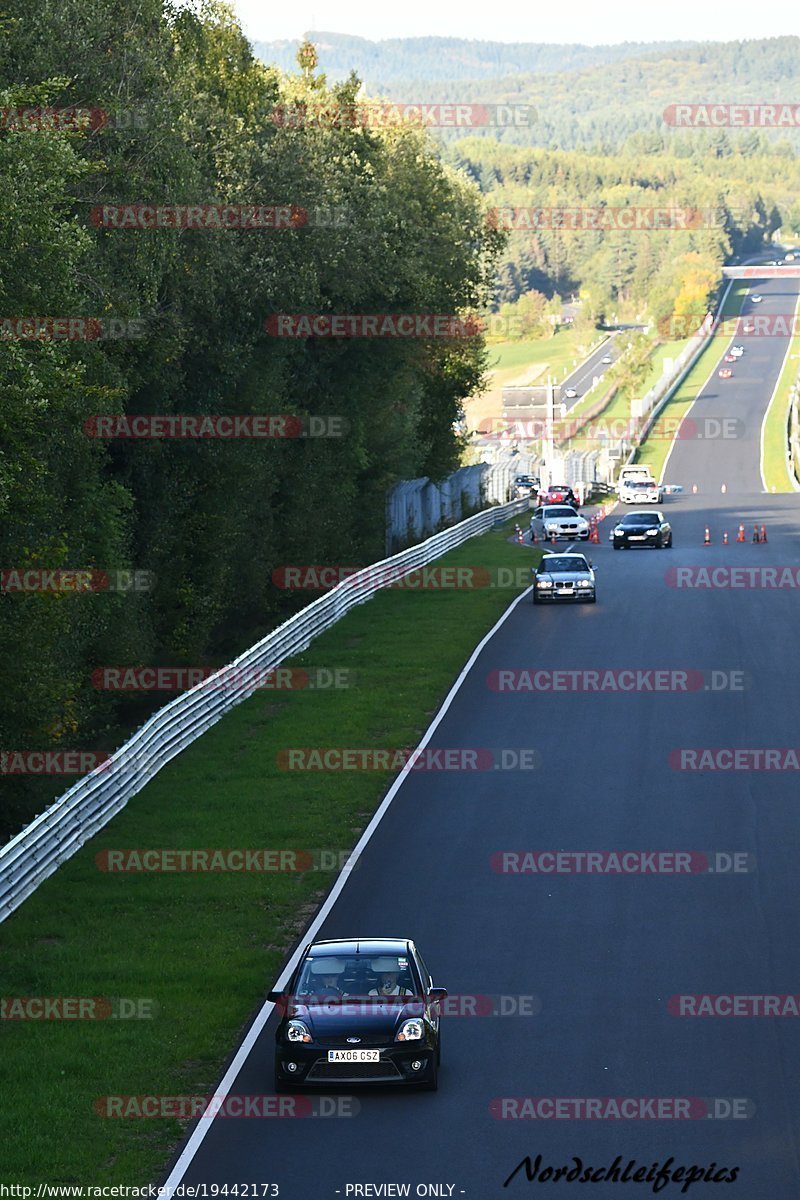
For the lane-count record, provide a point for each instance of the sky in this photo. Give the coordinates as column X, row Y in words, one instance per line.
column 583, row 21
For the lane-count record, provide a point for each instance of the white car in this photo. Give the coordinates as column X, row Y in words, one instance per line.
column 607, row 360
column 737, row 351
column 559, row 520
column 749, row 327
column 640, row 491
column 756, row 299
column 570, row 394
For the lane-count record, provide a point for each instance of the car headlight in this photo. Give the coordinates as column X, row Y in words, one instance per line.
column 619, row 531
column 551, row 525
column 296, row 1031
column 584, row 583
column 410, row 1031
column 545, row 583
column 651, row 532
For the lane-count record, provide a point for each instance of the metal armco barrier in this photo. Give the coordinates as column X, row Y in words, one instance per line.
column 54, row 836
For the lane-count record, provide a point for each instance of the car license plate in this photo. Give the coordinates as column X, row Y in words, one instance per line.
column 636, row 537
column 354, row 1056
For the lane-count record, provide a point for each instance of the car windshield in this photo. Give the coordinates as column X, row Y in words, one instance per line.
column 560, row 510
column 331, row 978
column 640, row 519
column 641, row 484
column 556, row 565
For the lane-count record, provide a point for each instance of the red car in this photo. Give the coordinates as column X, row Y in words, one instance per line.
column 729, row 358
column 558, row 493
column 725, row 373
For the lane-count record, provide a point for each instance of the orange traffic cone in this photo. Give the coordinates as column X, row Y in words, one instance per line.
column 725, row 538
column 520, row 534
column 553, row 537
column 763, row 533
column 740, row 535
column 707, row 538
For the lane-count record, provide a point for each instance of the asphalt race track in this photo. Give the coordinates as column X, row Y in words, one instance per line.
column 601, row 953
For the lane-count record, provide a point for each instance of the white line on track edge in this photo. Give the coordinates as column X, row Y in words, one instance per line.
column 204, row 1123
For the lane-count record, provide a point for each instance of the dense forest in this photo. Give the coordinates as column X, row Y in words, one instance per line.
column 591, row 97
column 184, row 119
column 732, row 205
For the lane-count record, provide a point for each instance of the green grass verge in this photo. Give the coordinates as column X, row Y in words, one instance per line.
column 561, row 353
column 654, row 450
column 773, row 446
column 205, row 947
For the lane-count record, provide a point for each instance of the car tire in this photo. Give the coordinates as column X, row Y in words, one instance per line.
column 669, row 543
column 592, row 600
column 534, row 597
column 614, row 546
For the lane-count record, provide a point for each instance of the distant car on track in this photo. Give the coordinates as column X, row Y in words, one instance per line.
column 558, row 493
column 642, row 529
column 525, row 485
column 571, row 393
column 358, row 1011
column 561, row 520
column 562, row 577
column 606, row 360
column 756, row 299
column 640, row 491
column 748, row 327
column 737, row 351
column 729, row 358
column 725, row 373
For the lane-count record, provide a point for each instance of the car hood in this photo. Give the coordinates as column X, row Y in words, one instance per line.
column 564, row 576
column 368, row 1016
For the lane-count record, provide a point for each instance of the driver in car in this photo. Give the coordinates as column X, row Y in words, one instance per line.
column 327, row 974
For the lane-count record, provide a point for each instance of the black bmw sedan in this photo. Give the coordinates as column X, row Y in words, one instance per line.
column 358, row 1011
column 642, row 529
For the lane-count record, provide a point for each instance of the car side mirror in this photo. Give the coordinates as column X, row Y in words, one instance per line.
column 436, row 994
column 276, row 997
column 591, row 564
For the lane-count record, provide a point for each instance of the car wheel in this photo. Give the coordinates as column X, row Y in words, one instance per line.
column 534, row 597
column 669, row 543
column 593, row 599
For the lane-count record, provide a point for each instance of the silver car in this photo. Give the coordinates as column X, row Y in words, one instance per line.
column 561, row 520
column 564, row 577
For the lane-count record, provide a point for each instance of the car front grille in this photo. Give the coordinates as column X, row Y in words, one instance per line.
column 323, row 1071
